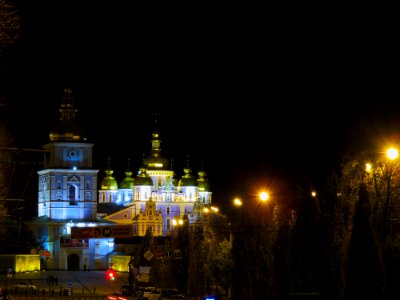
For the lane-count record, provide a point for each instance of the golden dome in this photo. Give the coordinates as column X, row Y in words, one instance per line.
column 202, row 182
column 128, row 181
column 109, row 182
column 143, row 178
column 156, row 162
column 187, row 179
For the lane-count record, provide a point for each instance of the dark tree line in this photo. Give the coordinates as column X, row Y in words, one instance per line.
column 342, row 243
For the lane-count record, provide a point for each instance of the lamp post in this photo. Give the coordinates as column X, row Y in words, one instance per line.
column 383, row 179
column 250, row 247
column 392, row 154
column 263, row 197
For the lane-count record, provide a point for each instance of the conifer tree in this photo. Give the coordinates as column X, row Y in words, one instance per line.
column 366, row 276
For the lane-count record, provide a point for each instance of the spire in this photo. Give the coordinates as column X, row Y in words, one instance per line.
column 155, row 116
column 68, row 110
column 109, row 163
column 143, row 160
column 187, row 169
column 155, row 161
column 201, row 171
column 155, row 142
column 67, row 128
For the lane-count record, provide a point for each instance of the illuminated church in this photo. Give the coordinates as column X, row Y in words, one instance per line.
column 68, row 197
column 154, row 200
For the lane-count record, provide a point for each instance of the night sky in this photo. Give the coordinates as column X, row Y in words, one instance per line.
column 259, row 104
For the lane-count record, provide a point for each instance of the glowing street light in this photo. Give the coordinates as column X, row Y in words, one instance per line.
column 176, row 222
column 264, row 196
column 214, row 208
column 237, row 202
column 392, row 153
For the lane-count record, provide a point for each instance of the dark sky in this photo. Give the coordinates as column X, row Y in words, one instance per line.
column 259, row 102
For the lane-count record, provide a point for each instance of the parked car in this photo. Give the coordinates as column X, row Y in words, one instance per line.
column 152, row 294
column 167, row 294
column 24, row 285
column 126, row 290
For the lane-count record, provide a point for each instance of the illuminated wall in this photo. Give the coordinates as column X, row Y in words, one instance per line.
column 120, row 263
column 27, row 263
column 20, row 263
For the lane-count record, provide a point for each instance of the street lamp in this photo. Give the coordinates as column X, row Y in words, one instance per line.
column 392, row 153
column 368, row 167
column 176, row 222
column 237, row 202
column 264, row 196
column 384, row 173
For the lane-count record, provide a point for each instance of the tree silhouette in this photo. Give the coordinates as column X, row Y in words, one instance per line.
column 251, row 278
column 334, row 240
column 366, row 276
column 305, row 247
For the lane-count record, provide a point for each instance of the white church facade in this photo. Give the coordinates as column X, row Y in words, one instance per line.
column 70, row 196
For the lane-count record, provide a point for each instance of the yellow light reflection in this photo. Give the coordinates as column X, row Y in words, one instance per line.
column 368, row 167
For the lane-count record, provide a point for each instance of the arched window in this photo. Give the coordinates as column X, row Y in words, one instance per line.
column 168, row 224
column 72, row 195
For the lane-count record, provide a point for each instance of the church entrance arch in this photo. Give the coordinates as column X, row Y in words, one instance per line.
column 73, row 262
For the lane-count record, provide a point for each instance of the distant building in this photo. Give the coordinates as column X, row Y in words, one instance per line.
column 75, row 217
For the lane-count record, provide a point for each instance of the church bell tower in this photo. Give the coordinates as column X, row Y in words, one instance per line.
column 67, row 184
